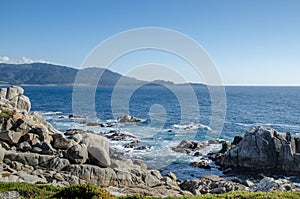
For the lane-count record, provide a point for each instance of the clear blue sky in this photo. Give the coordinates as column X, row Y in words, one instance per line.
column 253, row 42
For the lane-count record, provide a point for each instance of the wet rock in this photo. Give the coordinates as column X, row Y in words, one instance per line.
column 237, row 139
column 186, row 146
column 132, row 144
column 118, row 136
column 228, row 170
column 201, row 164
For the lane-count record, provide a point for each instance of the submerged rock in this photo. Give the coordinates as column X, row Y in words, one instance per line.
column 128, row 118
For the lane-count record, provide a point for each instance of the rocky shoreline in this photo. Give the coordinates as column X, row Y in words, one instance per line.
column 31, row 150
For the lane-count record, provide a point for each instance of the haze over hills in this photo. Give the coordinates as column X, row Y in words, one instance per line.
column 49, row 74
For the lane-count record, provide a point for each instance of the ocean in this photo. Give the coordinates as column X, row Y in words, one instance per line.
column 164, row 122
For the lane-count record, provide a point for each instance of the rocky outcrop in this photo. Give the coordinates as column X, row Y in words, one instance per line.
column 261, row 149
column 187, row 146
column 31, row 150
column 128, row 118
column 13, row 97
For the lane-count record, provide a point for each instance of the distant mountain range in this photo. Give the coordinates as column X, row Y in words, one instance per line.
column 49, row 74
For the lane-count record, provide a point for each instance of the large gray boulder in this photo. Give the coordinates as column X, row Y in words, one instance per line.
column 98, row 149
column 264, row 148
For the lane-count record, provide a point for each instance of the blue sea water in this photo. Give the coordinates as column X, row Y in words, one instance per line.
column 161, row 110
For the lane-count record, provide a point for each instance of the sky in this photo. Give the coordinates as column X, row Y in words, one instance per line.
column 253, row 42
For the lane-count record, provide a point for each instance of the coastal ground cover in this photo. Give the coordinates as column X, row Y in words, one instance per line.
column 27, row 190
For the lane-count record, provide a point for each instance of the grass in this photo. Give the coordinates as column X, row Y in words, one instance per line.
column 41, row 191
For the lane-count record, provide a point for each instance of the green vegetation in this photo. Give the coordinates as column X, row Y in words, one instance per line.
column 83, row 191
column 48, row 191
column 236, row 194
column 90, row 191
column 5, row 113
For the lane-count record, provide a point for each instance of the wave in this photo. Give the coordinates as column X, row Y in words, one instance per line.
column 191, row 126
column 52, row 113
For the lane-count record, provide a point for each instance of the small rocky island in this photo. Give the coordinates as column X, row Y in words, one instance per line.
column 32, row 151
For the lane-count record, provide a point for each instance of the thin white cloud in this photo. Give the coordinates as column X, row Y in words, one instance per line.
column 24, row 60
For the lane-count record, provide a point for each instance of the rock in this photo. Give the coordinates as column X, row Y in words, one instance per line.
column 15, row 98
column 228, row 170
column 218, row 190
column 260, row 149
column 201, row 164
column 24, row 146
column 98, row 149
column 77, row 153
column 186, row 146
column 16, row 165
column 10, row 136
column 2, row 153
column 10, row 195
column 77, row 138
column 213, row 141
column 94, row 174
column 172, row 176
column 210, row 184
column 128, row 118
column 117, row 136
column 248, row 183
column 59, row 164
column 197, row 154
column 31, row 138
column 132, row 144
column 63, row 143
column 46, row 148
column 33, row 179
column 4, row 145
column 99, row 156
column 31, row 159
column 24, row 103
column 237, row 139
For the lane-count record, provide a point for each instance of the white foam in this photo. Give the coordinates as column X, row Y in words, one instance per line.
column 52, row 113
column 191, row 126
